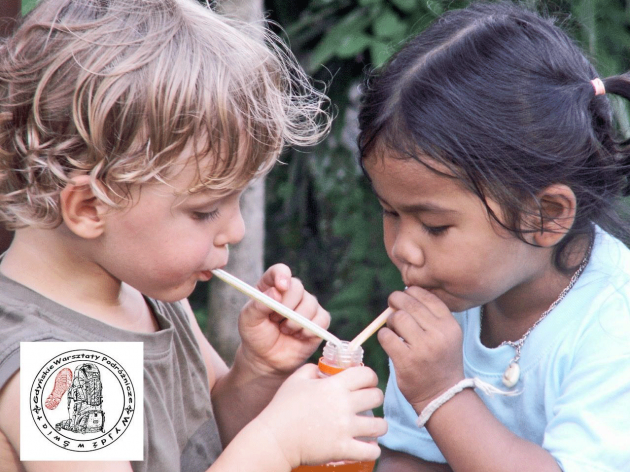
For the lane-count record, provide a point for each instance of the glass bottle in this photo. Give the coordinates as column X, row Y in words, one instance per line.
column 334, row 360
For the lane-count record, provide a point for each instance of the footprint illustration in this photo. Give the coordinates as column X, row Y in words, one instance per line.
column 62, row 384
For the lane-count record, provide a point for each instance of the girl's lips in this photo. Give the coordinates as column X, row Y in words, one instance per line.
column 206, row 275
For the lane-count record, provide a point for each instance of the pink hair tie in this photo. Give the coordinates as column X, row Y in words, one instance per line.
column 598, row 85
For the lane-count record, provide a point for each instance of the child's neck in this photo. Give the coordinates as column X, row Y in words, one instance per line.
column 510, row 316
column 43, row 261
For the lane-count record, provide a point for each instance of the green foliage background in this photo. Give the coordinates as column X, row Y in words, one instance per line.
column 322, row 219
column 27, row 5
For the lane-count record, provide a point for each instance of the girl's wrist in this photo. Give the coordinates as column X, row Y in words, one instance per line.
column 426, row 410
column 457, row 390
column 421, row 404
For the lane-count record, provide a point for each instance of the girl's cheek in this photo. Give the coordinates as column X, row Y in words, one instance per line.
column 390, row 228
column 389, row 240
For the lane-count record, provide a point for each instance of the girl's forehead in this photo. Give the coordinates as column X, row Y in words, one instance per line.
column 394, row 162
column 404, row 176
column 409, row 183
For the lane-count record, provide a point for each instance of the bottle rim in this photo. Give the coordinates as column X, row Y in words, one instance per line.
column 337, row 358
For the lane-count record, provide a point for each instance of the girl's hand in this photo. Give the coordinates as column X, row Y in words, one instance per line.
column 314, row 420
column 272, row 343
column 424, row 341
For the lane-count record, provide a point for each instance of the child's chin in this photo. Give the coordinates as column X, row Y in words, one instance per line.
column 174, row 295
column 453, row 304
column 460, row 306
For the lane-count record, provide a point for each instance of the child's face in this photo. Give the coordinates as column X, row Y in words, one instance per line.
column 168, row 240
column 441, row 238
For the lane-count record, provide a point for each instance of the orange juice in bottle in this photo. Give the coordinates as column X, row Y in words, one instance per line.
column 334, row 360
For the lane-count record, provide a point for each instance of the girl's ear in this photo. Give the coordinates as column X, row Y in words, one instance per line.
column 81, row 210
column 556, row 214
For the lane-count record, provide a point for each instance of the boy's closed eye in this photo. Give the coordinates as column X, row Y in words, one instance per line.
column 206, row 215
column 204, row 207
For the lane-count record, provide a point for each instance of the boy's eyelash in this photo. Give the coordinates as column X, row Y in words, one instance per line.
column 206, row 216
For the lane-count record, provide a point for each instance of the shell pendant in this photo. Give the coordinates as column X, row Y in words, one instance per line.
column 511, row 375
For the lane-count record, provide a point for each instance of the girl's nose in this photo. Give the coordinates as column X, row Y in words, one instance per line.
column 407, row 249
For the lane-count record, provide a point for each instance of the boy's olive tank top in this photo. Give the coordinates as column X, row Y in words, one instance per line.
column 180, row 432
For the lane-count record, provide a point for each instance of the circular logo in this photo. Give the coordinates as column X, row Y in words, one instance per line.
column 82, row 400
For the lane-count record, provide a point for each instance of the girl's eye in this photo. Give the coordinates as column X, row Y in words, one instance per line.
column 435, row 230
column 389, row 212
column 206, row 216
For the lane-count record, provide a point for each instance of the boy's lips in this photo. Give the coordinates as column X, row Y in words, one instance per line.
column 206, row 275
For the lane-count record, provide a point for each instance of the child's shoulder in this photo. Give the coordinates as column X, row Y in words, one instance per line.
column 28, row 316
column 21, row 311
column 21, row 320
column 598, row 312
column 609, row 268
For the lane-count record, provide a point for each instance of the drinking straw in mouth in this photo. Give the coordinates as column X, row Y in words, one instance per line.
column 276, row 306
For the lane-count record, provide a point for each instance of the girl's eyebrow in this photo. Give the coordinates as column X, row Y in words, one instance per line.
column 419, row 207
column 426, row 208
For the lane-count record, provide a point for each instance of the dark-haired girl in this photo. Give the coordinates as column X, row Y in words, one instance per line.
column 490, row 143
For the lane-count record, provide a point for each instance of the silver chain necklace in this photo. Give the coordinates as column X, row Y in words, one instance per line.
column 512, row 374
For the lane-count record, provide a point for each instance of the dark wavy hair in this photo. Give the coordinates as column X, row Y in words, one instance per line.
column 503, row 98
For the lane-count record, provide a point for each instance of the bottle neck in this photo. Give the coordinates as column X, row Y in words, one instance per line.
column 338, row 357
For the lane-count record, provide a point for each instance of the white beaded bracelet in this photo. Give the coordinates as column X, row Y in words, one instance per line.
column 454, row 390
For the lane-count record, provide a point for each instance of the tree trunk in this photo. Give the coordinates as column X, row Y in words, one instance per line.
column 246, row 258
column 9, row 12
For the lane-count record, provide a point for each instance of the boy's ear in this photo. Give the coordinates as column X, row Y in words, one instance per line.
column 81, row 210
column 556, row 214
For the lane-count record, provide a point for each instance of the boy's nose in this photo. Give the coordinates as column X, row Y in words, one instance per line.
column 237, row 231
column 233, row 229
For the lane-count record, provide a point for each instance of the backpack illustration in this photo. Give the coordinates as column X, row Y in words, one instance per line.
column 85, row 402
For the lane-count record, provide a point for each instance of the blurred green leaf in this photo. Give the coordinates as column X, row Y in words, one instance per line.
column 351, row 26
column 389, row 25
column 28, row 5
column 353, row 45
column 379, row 52
column 406, row 5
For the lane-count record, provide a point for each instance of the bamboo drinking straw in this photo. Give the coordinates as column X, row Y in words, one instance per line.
column 370, row 329
column 276, row 306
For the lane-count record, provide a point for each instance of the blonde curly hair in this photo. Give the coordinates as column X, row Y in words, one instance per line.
column 116, row 89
